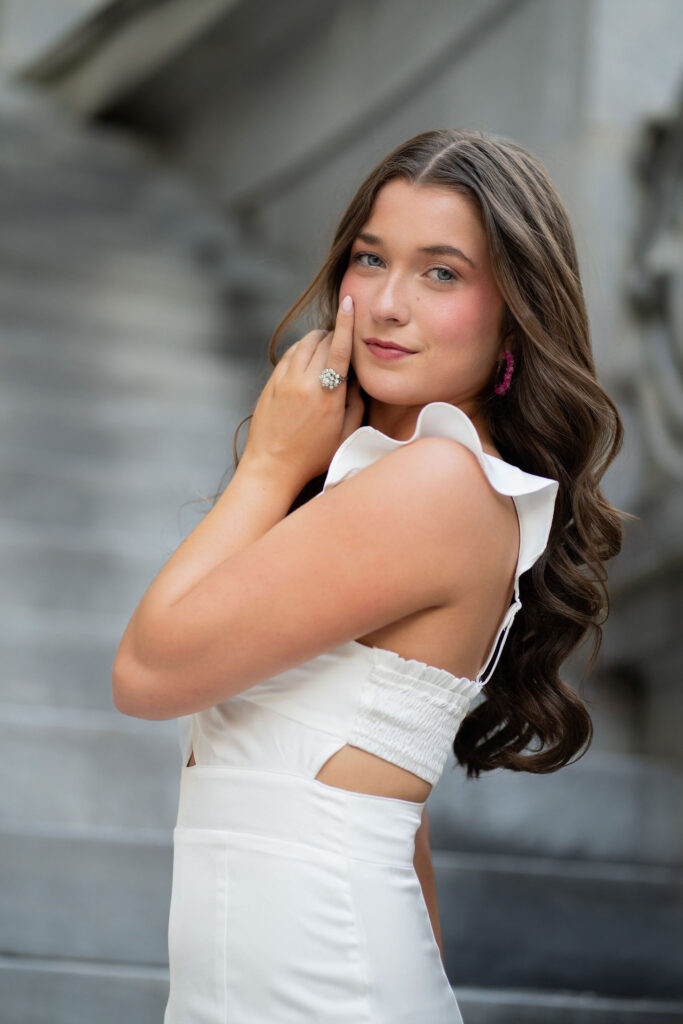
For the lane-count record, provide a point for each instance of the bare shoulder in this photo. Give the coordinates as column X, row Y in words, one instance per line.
column 434, row 495
column 432, row 466
column 418, row 533
column 438, row 474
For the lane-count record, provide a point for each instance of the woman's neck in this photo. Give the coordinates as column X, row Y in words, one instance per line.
column 398, row 421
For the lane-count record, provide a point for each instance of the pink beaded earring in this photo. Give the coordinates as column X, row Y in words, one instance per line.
column 504, row 385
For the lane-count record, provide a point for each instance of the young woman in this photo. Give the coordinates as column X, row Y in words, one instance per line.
column 416, row 521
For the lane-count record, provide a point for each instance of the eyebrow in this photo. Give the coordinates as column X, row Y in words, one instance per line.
column 432, row 250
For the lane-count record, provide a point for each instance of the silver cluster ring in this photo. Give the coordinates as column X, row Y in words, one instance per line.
column 330, row 379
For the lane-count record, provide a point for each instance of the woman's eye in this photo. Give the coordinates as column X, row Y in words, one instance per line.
column 360, row 257
column 365, row 259
column 444, row 270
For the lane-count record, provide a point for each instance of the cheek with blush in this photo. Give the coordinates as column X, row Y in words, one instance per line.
column 473, row 322
column 345, row 285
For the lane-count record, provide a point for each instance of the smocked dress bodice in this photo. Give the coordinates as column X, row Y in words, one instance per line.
column 402, row 710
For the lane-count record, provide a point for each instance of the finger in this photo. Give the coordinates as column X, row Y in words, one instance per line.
column 325, row 353
column 286, row 357
column 339, row 355
column 321, row 357
column 306, row 348
column 354, row 409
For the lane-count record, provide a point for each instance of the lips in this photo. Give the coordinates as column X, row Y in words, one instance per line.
column 387, row 345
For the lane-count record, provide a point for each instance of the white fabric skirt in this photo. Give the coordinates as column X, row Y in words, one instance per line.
column 296, row 902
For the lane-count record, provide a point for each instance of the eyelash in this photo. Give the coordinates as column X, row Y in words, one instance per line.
column 356, row 258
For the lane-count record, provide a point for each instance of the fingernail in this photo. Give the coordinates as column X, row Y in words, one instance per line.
column 347, row 304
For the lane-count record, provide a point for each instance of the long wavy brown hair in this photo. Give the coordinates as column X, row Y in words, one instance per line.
column 555, row 421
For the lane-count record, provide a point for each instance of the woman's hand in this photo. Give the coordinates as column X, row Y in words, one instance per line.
column 298, row 424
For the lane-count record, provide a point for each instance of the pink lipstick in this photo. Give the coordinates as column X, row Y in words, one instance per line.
column 387, row 349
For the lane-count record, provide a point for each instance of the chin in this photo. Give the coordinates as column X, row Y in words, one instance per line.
column 381, row 388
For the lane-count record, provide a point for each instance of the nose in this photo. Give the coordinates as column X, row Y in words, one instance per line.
column 390, row 300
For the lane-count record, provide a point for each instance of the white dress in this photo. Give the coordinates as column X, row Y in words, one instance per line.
column 294, row 901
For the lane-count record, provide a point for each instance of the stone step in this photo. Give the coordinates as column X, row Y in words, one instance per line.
column 162, row 486
column 549, row 925
column 51, row 566
column 65, row 991
column 79, row 156
column 145, row 227
column 57, row 663
column 129, row 262
column 89, row 894
column 100, row 300
column 59, row 658
column 36, row 356
column 65, row 668
column 120, row 415
column 133, row 312
column 134, row 429
column 534, row 922
column 79, row 574
column 93, row 165
column 89, row 376
column 170, row 478
column 110, row 243
column 97, row 166
column 43, row 991
column 99, row 159
column 510, row 1006
column 72, row 768
column 31, row 117
column 42, row 498
column 80, row 184
column 614, row 807
column 107, row 248
column 19, row 320
column 38, row 134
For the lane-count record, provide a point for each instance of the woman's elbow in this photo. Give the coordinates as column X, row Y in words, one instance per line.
column 132, row 695
column 123, row 689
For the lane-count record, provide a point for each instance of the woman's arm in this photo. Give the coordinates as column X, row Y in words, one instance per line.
column 294, row 431
column 250, row 594
column 424, row 870
column 367, row 553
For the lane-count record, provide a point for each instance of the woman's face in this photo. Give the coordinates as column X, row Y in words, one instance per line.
column 420, row 278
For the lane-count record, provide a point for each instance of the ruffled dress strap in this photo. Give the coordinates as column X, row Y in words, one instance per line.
column 534, row 496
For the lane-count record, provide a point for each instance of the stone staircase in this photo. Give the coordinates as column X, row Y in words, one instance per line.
column 117, row 408
column 560, row 897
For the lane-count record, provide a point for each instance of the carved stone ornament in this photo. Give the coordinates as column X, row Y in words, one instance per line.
column 655, row 288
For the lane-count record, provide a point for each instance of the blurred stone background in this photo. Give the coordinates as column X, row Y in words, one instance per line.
column 170, row 174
